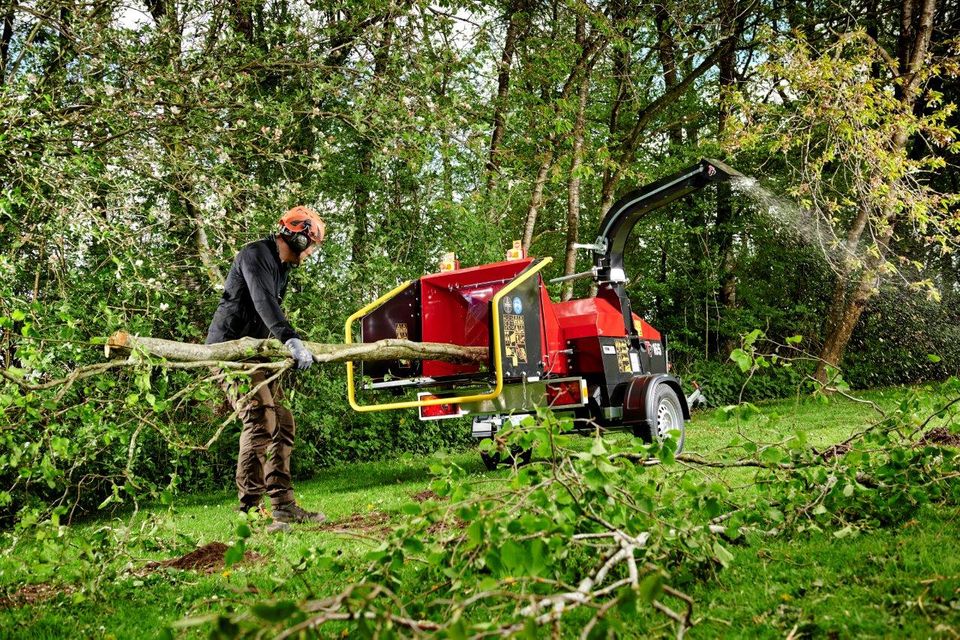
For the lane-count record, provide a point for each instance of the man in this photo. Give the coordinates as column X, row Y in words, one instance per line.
column 250, row 307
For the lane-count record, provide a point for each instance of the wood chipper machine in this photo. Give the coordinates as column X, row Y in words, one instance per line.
column 592, row 357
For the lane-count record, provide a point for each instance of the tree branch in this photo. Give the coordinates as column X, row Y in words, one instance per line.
column 249, row 348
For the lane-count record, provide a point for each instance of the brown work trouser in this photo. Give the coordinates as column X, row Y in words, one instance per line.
column 266, row 442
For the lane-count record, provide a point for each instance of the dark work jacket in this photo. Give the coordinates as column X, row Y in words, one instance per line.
column 250, row 305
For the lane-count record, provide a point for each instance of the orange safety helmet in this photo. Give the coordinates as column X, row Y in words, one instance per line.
column 301, row 226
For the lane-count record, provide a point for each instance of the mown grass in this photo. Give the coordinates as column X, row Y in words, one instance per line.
column 885, row 583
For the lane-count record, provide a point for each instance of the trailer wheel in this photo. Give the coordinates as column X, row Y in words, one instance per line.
column 656, row 410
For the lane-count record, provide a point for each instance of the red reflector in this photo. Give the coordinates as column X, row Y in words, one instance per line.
column 560, row 394
column 438, row 410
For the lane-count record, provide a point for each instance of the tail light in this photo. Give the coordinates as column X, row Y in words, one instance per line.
column 567, row 393
column 438, row 411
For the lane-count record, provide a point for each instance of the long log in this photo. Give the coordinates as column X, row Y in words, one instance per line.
column 251, row 348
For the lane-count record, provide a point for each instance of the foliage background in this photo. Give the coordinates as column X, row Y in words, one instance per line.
column 141, row 147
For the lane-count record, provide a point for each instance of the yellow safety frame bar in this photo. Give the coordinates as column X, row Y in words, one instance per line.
column 497, row 359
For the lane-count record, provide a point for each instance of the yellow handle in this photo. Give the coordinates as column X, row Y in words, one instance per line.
column 497, row 359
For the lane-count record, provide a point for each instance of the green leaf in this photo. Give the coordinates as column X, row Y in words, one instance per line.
column 538, row 557
column 234, row 554
column 650, row 587
column 186, row 623
column 597, row 448
column 511, row 554
column 493, row 561
column 795, row 339
column 772, row 455
column 722, row 555
column 475, row 533
column 742, row 358
column 933, row 357
column 843, row 533
column 531, row 629
column 457, row 631
column 277, row 612
column 412, row 545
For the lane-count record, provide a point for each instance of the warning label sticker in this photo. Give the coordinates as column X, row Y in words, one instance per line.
column 514, row 338
column 623, row 356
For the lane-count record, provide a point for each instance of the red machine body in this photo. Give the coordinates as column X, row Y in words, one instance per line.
column 592, row 356
column 543, row 340
column 454, row 307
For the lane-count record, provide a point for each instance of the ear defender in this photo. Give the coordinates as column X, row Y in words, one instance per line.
column 301, row 241
column 298, row 241
column 301, row 227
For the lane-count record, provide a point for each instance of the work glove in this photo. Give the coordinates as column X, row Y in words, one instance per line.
column 300, row 353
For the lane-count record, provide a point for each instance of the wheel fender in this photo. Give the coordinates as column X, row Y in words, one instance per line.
column 638, row 400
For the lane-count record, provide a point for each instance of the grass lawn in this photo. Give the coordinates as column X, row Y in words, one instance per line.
column 886, row 583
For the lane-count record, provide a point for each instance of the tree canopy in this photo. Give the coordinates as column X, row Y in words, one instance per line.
column 144, row 145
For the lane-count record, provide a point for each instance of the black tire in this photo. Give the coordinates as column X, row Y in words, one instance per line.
column 665, row 415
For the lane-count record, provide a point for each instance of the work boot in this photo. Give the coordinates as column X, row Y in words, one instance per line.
column 244, row 507
column 295, row 514
column 278, row 527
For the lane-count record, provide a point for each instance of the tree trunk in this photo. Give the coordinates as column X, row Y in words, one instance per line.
column 621, row 74
column 190, row 220
column 724, row 228
column 511, row 40
column 847, row 307
column 661, row 277
column 5, row 37
column 628, row 146
column 573, row 188
column 843, row 320
column 536, row 197
column 361, row 203
column 588, row 58
column 242, row 19
column 668, row 62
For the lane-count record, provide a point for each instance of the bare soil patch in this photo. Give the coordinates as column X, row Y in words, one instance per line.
column 423, row 496
column 941, row 436
column 207, row 559
column 33, row 593
column 835, row 451
column 375, row 522
column 447, row 524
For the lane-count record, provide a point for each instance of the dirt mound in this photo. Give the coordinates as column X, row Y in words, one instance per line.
column 374, row 522
column 941, row 436
column 32, row 594
column 209, row 558
column 423, row 496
